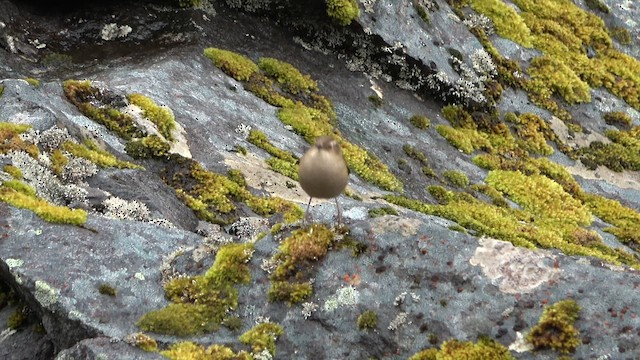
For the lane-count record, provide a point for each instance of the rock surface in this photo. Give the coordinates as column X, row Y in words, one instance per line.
column 426, row 282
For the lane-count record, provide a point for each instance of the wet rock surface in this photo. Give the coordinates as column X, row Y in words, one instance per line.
column 426, row 282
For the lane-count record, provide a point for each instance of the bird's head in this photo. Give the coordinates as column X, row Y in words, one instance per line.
column 327, row 143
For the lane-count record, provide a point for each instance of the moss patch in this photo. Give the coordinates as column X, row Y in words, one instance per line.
column 233, row 64
column 199, row 304
column 189, row 351
column 24, row 197
column 367, row 320
column 290, row 281
column 262, row 337
column 161, row 116
column 454, row 349
column 343, row 11
column 92, row 152
column 556, row 328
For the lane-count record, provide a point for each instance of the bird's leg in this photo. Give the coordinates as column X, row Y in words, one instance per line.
column 339, row 214
column 306, row 213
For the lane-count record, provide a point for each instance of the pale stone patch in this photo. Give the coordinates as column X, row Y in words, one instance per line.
column 395, row 224
column 513, row 269
column 578, row 139
column 624, row 179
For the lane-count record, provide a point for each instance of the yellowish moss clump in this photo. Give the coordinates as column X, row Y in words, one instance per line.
column 420, row 121
column 456, row 178
column 626, row 221
column 466, row 140
column 13, row 171
column 367, row 320
column 622, row 153
column 82, row 94
column 10, row 139
column 556, row 328
column 506, row 20
column 343, row 11
column 191, row 351
column 199, row 304
column 290, row 78
column 284, row 162
column 233, row 64
column 24, row 197
column 92, row 152
column 142, row 341
column 262, row 337
column 533, row 131
column 33, row 82
column 148, row 146
column 290, row 280
column 484, row 349
column 161, row 116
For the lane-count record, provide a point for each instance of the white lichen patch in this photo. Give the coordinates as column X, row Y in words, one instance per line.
column 113, row 31
column 520, row 344
column 395, row 224
column 514, row 270
column 344, row 296
column 14, row 263
column 45, row 294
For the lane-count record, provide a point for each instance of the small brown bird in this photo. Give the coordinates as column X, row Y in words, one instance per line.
column 323, row 172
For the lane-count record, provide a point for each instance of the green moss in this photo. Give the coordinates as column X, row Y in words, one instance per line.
column 458, row 228
column 622, row 153
column 161, row 116
column 343, row 11
column 495, row 195
column 17, row 318
column 143, row 341
column 551, row 76
column 191, row 351
column 106, row 289
column 532, row 132
column 369, row 167
column 20, row 187
column 484, row 349
column 83, row 95
column 465, row 140
column 13, row 171
column 233, row 64
column 241, row 149
column 367, row 320
column 458, row 117
column 506, row 20
column 415, row 154
column 442, row 195
column 148, row 147
column 92, row 152
column 597, row 5
column 262, row 337
column 283, row 162
column 33, row 82
column 289, row 78
column 622, row 35
column 199, row 304
column 58, row 161
column 456, row 178
column 422, row 12
column 25, row 199
column 232, row 323
column 1, row 90
column 295, row 255
column 387, row 210
column 420, row 121
column 10, row 139
column 625, row 221
column 618, row 118
column 427, row 171
column 556, row 328
column 348, row 242
column 237, row 177
column 376, row 101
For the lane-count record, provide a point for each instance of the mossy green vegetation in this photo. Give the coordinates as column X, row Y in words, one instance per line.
column 506, row 20
column 91, row 151
column 147, row 147
column 621, row 34
column 597, row 5
column 367, row 320
column 622, row 153
column 465, row 140
column 309, row 114
column 625, row 221
column 283, row 162
column 456, row 178
column 13, row 171
column 23, row 196
column 484, row 349
column 212, row 196
column 83, row 95
column 199, row 304
column 556, row 328
column 10, row 139
column 58, row 161
column 17, row 318
column 233, row 64
column 143, row 341
column 343, row 11
column 1, row 90
column 190, row 351
column 376, row 101
column 382, row 211
column 564, row 33
column 33, row 82
column 106, row 289
column 290, row 281
column 161, row 116
column 420, row 121
column 262, row 337
column 290, row 78
column 618, row 118
column 532, row 132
